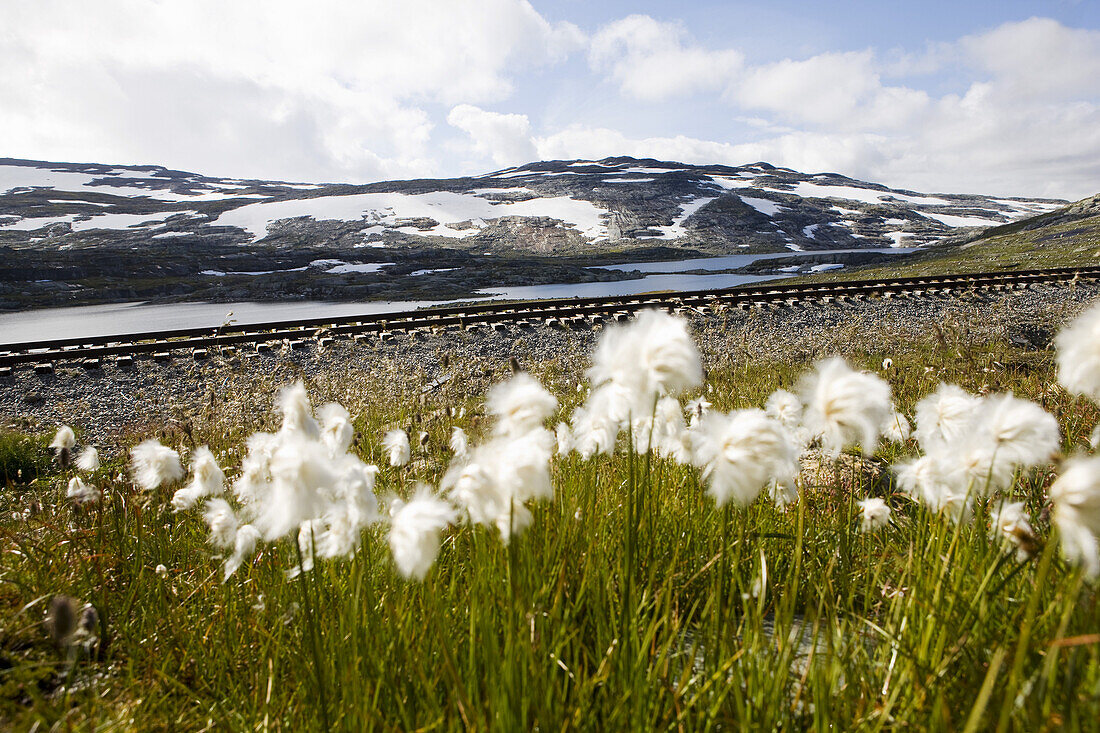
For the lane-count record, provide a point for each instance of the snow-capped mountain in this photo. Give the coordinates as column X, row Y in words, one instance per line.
column 553, row 207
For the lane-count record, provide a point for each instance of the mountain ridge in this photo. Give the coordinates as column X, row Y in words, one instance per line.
column 566, row 206
column 85, row 232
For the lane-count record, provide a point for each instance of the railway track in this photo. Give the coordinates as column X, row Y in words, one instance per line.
column 559, row 313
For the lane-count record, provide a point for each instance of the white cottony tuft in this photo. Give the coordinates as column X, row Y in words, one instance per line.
column 243, row 547
column 1076, row 498
column 1009, row 522
column 564, row 438
column 460, row 444
column 494, row 481
column 304, row 475
column 633, row 366
column 696, row 408
column 1005, row 434
column 876, row 514
column 923, row 479
column 88, row 460
column 63, row 439
column 1025, row 433
column 741, row 452
column 414, row 532
column 944, row 416
column 297, row 412
column 80, row 492
column 896, row 428
column 652, row 356
column 222, row 522
column 844, row 407
column 519, row 405
column 337, row 432
column 974, row 446
column 396, row 445
column 153, row 465
column 1078, row 355
column 785, row 407
column 207, row 480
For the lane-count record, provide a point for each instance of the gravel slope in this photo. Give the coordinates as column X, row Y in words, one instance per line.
column 113, row 405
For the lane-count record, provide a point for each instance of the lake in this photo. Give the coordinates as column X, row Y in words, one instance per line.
column 123, row 318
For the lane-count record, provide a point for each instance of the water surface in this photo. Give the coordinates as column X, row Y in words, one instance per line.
column 124, row 318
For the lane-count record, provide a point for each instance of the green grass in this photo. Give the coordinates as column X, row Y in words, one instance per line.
column 23, row 459
column 1074, row 243
column 630, row 603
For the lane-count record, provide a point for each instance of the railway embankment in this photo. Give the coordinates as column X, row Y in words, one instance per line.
column 122, row 397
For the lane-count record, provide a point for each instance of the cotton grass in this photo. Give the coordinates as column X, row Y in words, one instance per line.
column 88, row 460
column 153, row 465
column 633, row 366
column 1078, row 355
column 415, row 532
column 844, row 407
column 741, row 452
column 80, row 492
column 396, row 445
column 1076, row 499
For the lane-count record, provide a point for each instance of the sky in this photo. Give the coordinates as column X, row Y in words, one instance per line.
column 986, row 97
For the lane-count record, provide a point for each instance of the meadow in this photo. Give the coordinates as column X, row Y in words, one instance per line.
column 638, row 596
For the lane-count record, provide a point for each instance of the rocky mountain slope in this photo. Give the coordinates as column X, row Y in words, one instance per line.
column 1066, row 237
column 84, row 233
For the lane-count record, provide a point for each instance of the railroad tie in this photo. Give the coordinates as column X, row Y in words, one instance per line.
column 162, row 356
column 499, row 327
column 5, row 371
column 263, row 346
column 201, row 354
column 90, row 363
column 124, row 361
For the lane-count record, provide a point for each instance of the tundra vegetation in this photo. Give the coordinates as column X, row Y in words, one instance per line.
column 763, row 546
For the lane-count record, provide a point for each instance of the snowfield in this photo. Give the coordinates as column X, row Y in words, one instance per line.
column 580, row 196
column 445, row 207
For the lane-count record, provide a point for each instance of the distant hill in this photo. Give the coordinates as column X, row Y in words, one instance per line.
column 552, row 207
column 91, row 233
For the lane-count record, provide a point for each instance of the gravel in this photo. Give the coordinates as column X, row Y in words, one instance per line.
column 115, row 404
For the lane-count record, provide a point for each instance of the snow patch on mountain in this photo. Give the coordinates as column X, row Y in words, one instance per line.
column 767, row 207
column 444, row 207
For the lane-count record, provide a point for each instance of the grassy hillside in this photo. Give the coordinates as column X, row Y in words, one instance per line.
column 1068, row 237
column 631, row 602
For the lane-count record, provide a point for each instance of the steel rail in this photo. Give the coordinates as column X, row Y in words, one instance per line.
column 559, row 312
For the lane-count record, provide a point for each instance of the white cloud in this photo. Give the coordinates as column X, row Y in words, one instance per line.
column 842, row 90
column 506, row 138
column 649, row 60
column 1029, row 122
column 341, row 91
column 274, row 88
column 1039, row 58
